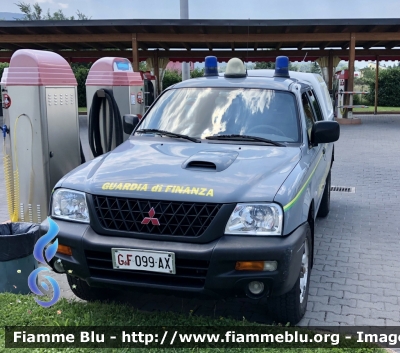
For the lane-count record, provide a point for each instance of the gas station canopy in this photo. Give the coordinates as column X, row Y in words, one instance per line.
column 192, row 40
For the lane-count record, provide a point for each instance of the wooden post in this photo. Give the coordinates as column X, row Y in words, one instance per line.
column 330, row 70
column 376, row 85
column 135, row 53
column 350, row 83
column 157, row 71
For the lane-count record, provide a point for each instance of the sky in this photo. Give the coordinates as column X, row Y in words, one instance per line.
column 219, row 9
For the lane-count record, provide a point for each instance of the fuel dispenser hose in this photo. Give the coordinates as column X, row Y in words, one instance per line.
column 12, row 178
column 100, row 98
column 9, row 180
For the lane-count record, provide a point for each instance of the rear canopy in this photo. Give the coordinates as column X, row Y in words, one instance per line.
column 38, row 68
column 111, row 71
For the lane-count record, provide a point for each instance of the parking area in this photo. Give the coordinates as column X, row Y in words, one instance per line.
column 356, row 277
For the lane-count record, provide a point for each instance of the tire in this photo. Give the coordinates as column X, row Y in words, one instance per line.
column 325, row 205
column 82, row 290
column 291, row 307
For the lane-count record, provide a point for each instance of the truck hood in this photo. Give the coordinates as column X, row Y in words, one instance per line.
column 166, row 169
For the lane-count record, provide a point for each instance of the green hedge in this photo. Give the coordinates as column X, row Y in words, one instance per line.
column 172, row 77
column 388, row 88
column 81, row 72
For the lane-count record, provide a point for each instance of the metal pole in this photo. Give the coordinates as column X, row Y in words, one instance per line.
column 330, row 71
column 185, row 16
column 157, row 72
column 135, row 53
column 376, row 85
column 350, row 83
column 184, row 9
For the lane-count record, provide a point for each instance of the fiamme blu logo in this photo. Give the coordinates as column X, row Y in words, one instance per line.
column 44, row 251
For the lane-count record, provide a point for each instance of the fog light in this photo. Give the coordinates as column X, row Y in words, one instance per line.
column 256, row 287
column 64, row 249
column 58, row 266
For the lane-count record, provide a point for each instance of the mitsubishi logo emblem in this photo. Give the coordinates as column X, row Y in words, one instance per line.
column 154, row 221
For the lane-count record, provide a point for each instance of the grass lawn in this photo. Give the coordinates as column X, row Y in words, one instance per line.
column 20, row 310
column 82, row 109
column 380, row 109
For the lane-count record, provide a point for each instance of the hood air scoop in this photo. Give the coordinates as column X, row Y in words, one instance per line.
column 210, row 161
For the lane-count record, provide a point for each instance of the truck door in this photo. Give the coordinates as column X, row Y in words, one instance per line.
column 317, row 154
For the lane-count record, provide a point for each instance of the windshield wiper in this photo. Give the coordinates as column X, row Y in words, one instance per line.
column 169, row 134
column 244, row 137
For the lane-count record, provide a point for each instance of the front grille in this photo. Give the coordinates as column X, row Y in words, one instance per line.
column 174, row 218
column 189, row 273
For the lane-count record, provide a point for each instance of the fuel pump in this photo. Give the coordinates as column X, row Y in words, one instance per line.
column 344, row 98
column 150, row 84
column 41, row 130
column 2, row 86
column 113, row 90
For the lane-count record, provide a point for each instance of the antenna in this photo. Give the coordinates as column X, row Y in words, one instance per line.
column 305, row 56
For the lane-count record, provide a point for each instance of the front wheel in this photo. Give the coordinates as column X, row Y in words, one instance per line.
column 325, row 205
column 82, row 290
column 291, row 307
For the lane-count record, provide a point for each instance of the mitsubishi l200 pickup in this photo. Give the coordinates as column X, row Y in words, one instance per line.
column 215, row 193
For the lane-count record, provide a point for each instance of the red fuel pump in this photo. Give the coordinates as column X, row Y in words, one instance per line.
column 344, row 106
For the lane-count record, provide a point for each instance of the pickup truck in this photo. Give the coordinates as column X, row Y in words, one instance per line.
column 214, row 194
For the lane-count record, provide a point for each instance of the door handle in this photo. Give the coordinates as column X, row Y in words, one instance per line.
column 323, row 150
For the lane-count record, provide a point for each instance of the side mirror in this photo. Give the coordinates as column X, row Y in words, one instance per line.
column 130, row 122
column 325, row 132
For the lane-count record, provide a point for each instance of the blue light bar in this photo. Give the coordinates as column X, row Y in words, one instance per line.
column 282, row 67
column 211, row 66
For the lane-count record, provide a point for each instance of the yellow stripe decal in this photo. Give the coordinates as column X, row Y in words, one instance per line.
column 291, row 203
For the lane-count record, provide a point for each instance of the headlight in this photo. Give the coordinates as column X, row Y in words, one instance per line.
column 70, row 204
column 255, row 219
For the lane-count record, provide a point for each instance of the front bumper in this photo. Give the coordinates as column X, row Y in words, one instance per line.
column 202, row 269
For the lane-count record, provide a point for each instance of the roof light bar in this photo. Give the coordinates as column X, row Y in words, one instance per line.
column 211, row 66
column 282, row 67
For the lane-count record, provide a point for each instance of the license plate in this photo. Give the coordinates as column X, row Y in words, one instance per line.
column 143, row 260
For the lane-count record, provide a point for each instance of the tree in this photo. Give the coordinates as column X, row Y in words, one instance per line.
column 36, row 13
column 293, row 67
column 271, row 65
column 368, row 74
column 2, row 67
column 264, row 65
column 197, row 72
column 315, row 69
column 81, row 71
column 170, row 78
column 142, row 66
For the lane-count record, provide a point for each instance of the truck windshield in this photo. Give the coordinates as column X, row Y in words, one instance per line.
column 203, row 112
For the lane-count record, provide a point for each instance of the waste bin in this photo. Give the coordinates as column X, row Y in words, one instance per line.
column 17, row 241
